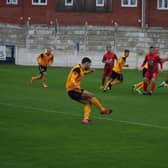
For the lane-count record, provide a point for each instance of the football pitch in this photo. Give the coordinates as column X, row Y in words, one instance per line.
column 41, row 128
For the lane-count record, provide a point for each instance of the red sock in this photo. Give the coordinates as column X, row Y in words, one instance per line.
column 145, row 86
column 153, row 84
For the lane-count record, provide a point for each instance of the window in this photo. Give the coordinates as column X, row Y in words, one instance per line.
column 96, row 6
column 39, row 2
column 68, row 2
column 99, row 2
column 129, row 3
column 162, row 4
column 13, row 2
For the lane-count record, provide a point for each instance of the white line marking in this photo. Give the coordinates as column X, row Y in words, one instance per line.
column 100, row 118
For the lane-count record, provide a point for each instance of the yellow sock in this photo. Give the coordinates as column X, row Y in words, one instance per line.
column 107, row 84
column 44, row 79
column 96, row 102
column 116, row 82
column 139, row 85
column 87, row 111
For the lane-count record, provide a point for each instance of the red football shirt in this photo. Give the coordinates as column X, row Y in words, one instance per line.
column 110, row 56
column 152, row 60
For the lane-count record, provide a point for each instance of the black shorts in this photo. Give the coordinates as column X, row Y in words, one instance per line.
column 75, row 95
column 144, row 71
column 42, row 69
column 117, row 76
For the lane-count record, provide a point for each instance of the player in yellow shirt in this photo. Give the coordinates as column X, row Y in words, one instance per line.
column 44, row 60
column 139, row 86
column 117, row 75
column 83, row 96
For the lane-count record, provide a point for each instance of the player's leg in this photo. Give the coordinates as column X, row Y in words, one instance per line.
column 138, row 87
column 34, row 78
column 119, row 79
column 116, row 82
column 87, row 110
column 164, row 83
column 103, row 79
column 153, row 82
column 146, row 81
column 44, row 84
column 147, row 78
column 77, row 96
column 153, row 85
column 86, row 95
column 43, row 76
column 108, row 84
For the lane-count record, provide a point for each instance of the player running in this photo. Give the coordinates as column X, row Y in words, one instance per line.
column 108, row 60
column 117, row 75
column 44, row 60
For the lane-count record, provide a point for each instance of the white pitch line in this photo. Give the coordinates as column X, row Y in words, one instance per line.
column 100, row 118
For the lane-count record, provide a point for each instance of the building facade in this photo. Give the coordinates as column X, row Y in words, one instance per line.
column 139, row 13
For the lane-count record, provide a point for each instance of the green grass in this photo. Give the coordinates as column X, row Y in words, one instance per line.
column 41, row 128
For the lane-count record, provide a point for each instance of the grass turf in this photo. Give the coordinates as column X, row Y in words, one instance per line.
column 41, row 128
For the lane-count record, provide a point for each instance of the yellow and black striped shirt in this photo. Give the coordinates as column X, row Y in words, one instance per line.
column 75, row 76
column 118, row 66
column 45, row 60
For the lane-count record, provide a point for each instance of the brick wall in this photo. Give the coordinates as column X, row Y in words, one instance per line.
column 155, row 17
column 20, row 13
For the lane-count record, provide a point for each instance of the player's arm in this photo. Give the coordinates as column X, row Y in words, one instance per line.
column 125, row 65
column 164, row 59
column 103, row 59
column 144, row 62
column 89, row 71
column 51, row 60
column 161, row 63
column 115, row 57
column 161, row 66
